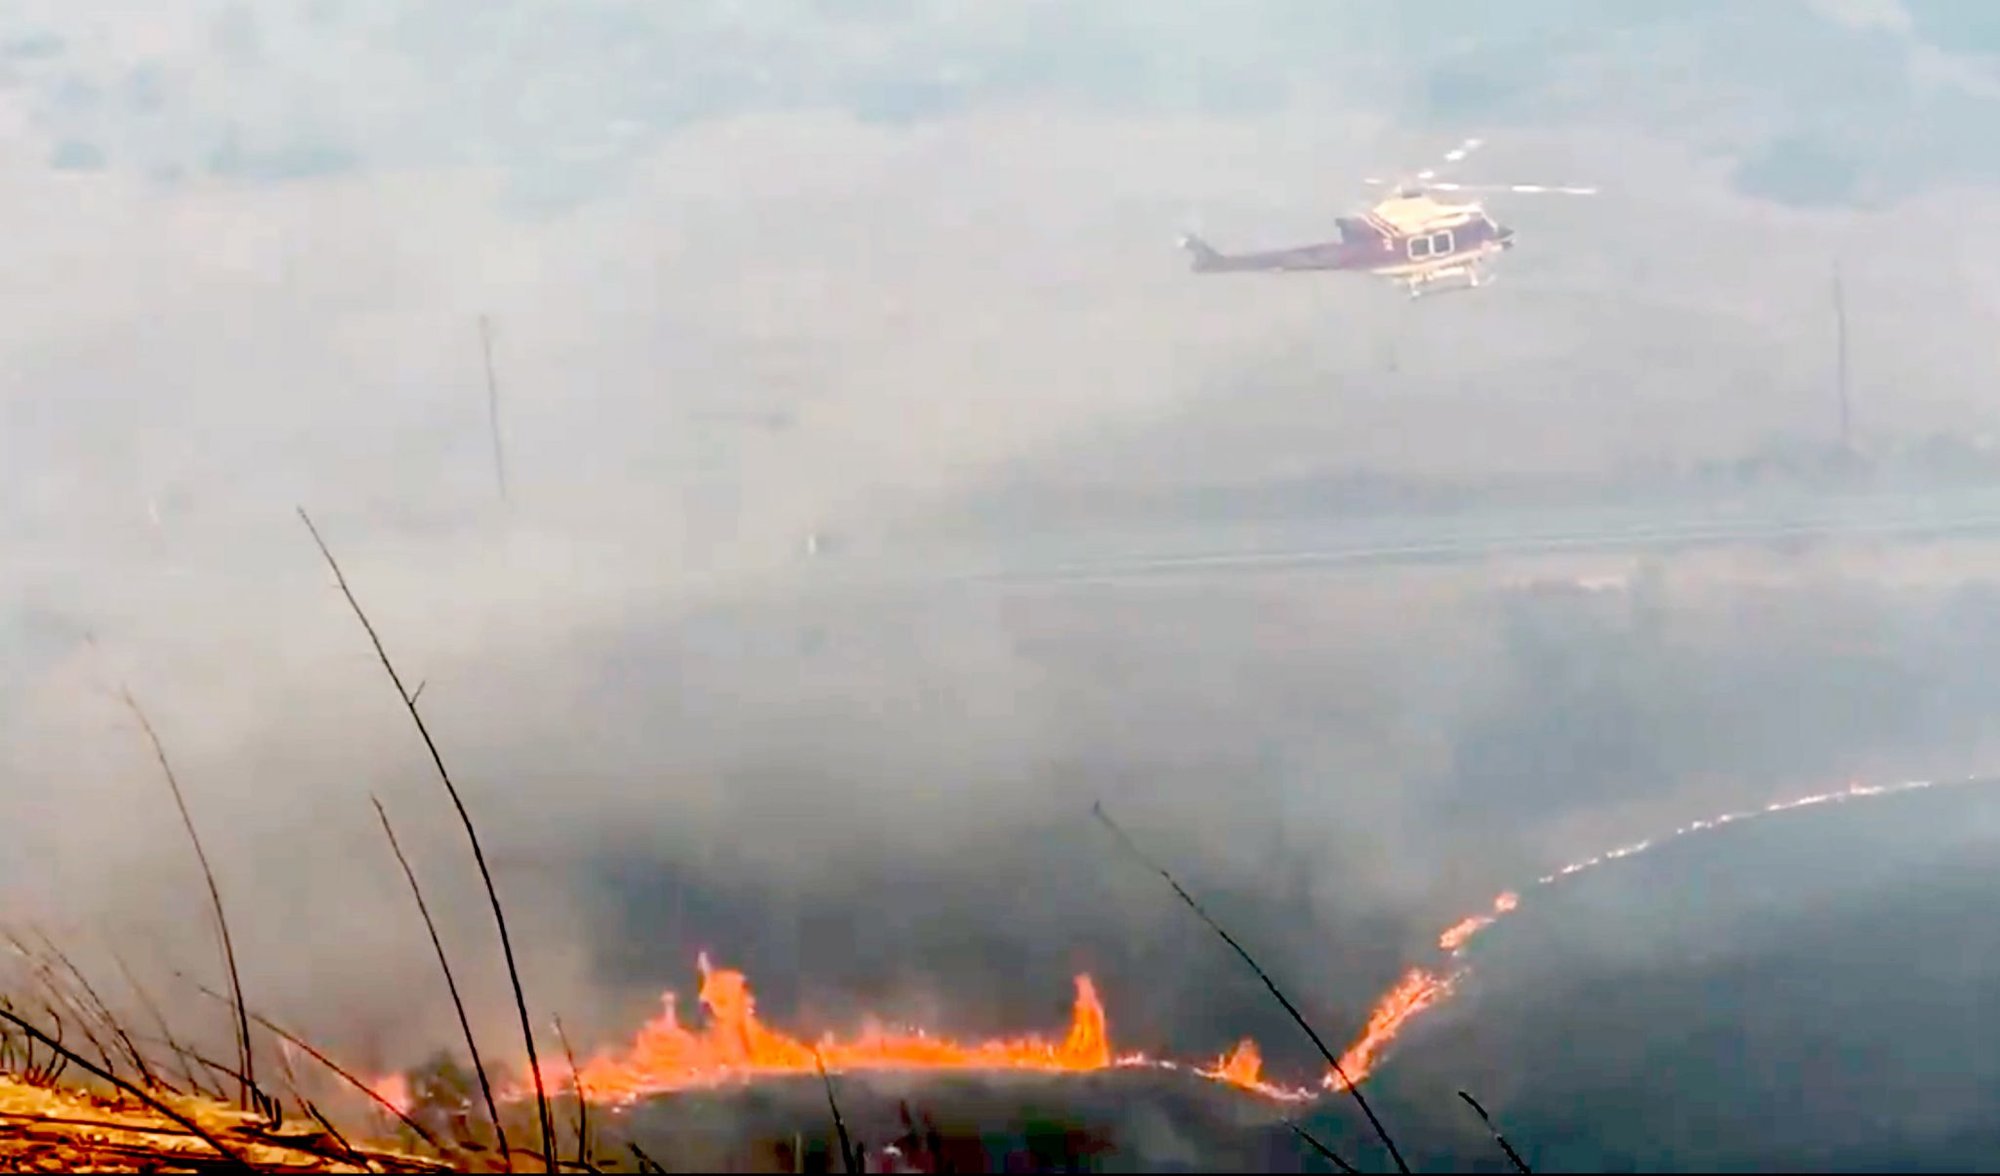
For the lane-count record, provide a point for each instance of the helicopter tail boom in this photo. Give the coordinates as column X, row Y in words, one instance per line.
column 1206, row 257
column 1210, row 260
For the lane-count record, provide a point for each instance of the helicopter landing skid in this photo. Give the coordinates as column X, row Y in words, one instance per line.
column 1465, row 278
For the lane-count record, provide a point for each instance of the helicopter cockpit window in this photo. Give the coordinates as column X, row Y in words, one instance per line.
column 1441, row 242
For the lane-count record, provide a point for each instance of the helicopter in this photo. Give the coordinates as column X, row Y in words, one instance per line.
column 1411, row 237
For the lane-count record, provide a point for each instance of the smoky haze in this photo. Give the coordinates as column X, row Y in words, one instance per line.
column 759, row 275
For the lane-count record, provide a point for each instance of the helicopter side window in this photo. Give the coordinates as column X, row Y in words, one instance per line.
column 1420, row 247
column 1442, row 243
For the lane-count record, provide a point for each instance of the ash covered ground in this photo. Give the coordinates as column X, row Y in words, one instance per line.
column 1107, row 1122
column 871, row 807
column 1805, row 993
column 1718, row 682
column 1339, row 767
column 1812, row 993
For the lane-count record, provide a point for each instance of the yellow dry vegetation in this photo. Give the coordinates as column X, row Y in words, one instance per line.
column 63, row 1129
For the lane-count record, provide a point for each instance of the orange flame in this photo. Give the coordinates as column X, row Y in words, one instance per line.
column 736, row 1046
column 1242, row 1066
column 1417, row 991
column 394, row 1090
column 1460, row 933
column 1456, row 935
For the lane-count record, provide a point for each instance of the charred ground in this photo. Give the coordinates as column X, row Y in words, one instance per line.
column 1803, row 993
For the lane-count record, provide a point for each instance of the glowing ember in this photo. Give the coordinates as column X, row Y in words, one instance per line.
column 734, row 1045
column 1460, row 933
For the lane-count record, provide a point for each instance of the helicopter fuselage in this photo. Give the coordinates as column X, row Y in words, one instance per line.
column 1413, row 240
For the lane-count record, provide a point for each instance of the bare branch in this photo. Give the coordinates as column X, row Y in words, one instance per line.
column 1513, row 1157
column 471, row 836
column 249, row 1066
column 130, row 1088
column 848, row 1158
column 450, row 982
column 1381, row 1132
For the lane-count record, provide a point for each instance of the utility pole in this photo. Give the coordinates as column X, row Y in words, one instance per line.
column 1840, row 362
column 493, row 404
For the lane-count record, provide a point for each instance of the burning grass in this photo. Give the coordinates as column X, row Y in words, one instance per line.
column 80, row 1091
column 121, row 1112
column 70, row 1129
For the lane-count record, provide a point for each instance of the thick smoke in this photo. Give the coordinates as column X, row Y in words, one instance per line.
column 751, row 286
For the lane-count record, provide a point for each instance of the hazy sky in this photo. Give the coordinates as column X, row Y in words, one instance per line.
column 757, row 270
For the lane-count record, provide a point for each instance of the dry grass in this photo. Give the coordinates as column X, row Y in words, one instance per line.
column 111, row 1107
column 65, row 1129
column 77, row 1092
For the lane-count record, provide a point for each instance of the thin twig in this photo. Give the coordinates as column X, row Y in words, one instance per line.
column 1513, row 1157
column 847, row 1157
column 32, row 1072
column 161, row 956
column 450, row 983
column 337, row 1070
column 130, row 1088
column 646, row 1162
column 249, row 1065
column 226, row 1069
column 471, row 835
column 152, row 1009
column 105, row 1015
column 265, row 1104
column 333, row 1133
column 582, row 1103
column 59, row 1060
column 44, row 975
column 84, row 1014
column 1325, row 1151
column 1381, row 1132
column 272, row 1109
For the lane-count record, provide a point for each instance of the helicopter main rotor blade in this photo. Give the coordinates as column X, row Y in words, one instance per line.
column 1425, row 178
column 1522, row 189
column 1458, row 153
column 1452, row 158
